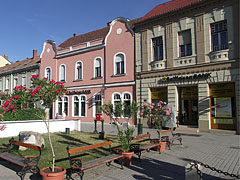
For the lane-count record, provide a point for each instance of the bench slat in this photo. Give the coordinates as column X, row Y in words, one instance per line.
column 20, row 161
column 141, row 136
column 166, row 131
column 148, row 146
column 99, row 161
column 71, row 151
column 37, row 148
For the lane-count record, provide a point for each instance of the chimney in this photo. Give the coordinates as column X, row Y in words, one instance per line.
column 74, row 35
column 34, row 54
column 5, row 56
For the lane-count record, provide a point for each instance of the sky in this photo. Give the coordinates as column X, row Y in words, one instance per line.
column 27, row 24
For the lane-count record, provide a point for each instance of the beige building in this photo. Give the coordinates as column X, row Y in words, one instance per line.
column 187, row 53
column 19, row 73
column 4, row 60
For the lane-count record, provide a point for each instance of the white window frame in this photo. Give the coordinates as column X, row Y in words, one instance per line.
column 94, row 105
column 79, row 105
column 76, row 71
column 15, row 81
column 123, row 100
column 46, row 73
column 114, row 63
column 24, row 81
column 1, row 85
column 7, row 83
column 60, row 73
column 94, row 67
column 63, row 105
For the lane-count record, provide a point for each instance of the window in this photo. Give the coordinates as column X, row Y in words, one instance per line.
column 15, row 82
column 219, row 36
column 0, row 85
column 127, row 104
column 185, row 43
column 119, row 64
column 83, row 106
column 98, row 103
column 97, row 67
column 62, row 105
column 7, row 83
column 76, row 106
column 48, row 73
column 117, row 105
column 158, row 48
column 79, row 70
column 60, row 111
column 62, row 73
column 24, row 81
column 79, row 107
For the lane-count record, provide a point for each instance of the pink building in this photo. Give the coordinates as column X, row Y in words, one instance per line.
column 96, row 67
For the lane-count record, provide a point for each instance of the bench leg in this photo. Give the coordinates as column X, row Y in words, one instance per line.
column 22, row 173
column 81, row 173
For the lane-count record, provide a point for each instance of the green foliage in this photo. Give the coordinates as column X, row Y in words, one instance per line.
column 125, row 140
column 25, row 114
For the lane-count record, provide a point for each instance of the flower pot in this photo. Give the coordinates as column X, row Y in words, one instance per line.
column 127, row 158
column 162, row 143
column 58, row 173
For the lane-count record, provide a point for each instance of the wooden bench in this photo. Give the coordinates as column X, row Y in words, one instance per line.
column 172, row 138
column 138, row 148
column 28, row 163
column 78, row 166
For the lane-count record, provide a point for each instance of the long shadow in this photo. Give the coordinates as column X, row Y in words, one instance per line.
column 155, row 169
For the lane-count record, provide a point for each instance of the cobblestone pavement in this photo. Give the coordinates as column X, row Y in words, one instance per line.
column 217, row 149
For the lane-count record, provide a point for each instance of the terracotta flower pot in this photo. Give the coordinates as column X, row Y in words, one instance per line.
column 162, row 143
column 127, row 159
column 58, row 173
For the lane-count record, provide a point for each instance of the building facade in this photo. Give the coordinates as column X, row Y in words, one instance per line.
column 96, row 68
column 4, row 60
column 187, row 53
column 19, row 73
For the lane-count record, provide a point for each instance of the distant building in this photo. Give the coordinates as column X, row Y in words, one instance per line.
column 4, row 60
column 96, row 67
column 187, row 53
column 19, row 73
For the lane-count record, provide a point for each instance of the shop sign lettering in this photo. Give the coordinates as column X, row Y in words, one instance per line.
column 182, row 78
column 79, row 92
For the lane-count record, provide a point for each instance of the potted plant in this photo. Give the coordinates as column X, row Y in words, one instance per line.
column 45, row 92
column 158, row 114
column 124, row 134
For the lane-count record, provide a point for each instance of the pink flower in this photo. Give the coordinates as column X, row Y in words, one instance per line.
column 57, row 91
column 167, row 112
column 141, row 114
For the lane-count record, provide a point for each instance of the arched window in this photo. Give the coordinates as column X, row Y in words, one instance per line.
column 76, row 106
column 66, row 105
column 126, row 104
column 97, row 67
column 60, row 111
column 117, row 105
column 119, row 64
column 83, row 106
column 62, row 73
column 48, row 73
column 79, row 71
column 98, row 103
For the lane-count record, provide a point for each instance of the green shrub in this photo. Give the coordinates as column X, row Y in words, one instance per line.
column 20, row 115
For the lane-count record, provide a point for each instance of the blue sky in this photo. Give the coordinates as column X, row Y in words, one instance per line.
column 26, row 24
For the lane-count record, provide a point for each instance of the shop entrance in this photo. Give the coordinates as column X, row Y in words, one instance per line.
column 188, row 105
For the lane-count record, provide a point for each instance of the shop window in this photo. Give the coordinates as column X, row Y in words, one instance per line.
column 185, row 43
column 223, row 106
column 62, row 105
column 219, row 36
column 98, row 103
column 158, row 48
column 117, row 105
column 159, row 94
column 83, row 106
column 79, row 71
column 62, row 73
column 127, row 104
column 76, row 106
column 97, row 67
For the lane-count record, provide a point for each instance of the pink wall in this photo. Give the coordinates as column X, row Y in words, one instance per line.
column 115, row 43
